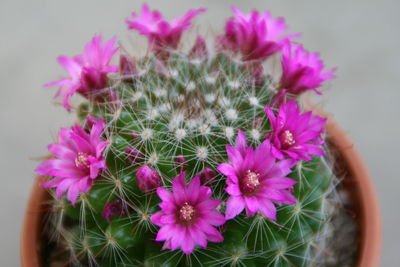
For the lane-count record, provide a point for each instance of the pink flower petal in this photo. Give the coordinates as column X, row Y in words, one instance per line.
column 241, row 143
column 233, row 190
column 279, row 183
column 234, row 155
column 215, row 218
column 234, row 206
column 268, row 210
column 198, row 236
column 192, row 190
column 165, row 232
column 226, row 169
column 187, row 244
column 177, row 238
column 165, row 195
column 178, row 185
column 62, row 152
column 252, row 205
column 156, row 218
column 73, row 193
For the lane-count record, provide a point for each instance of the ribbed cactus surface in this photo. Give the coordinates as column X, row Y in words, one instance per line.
column 190, row 159
column 191, row 109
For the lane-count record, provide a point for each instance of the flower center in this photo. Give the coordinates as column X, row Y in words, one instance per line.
column 81, row 160
column 250, row 182
column 186, row 213
column 288, row 138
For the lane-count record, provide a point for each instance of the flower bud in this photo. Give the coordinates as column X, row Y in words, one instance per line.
column 199, row 49
column 114, row 208
column 90, row 121
column 207, row 175
column 180, row 163
column 133, row 155
column 257, row 123
column 92, row 79
column 256, row 71
column 114, row 101
column 147, row 179
column 127, row 67
column 161, row 68
column 135, row 135
column 279, row 99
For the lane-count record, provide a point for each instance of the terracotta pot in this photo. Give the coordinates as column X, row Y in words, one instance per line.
column 358, row 180
column 359, row 184
column 33, row 225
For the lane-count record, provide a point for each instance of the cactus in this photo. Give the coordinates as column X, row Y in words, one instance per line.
column 172, row 118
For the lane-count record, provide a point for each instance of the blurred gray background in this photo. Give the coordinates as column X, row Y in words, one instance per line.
column 360, row 37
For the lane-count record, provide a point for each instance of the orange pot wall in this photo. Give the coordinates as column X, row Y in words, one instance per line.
column 33, row 225
column 362, row 192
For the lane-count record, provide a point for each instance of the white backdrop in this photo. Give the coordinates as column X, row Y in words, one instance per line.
column 360, row 37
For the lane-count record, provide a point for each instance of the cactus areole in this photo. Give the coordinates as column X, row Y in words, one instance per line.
column 191, row 157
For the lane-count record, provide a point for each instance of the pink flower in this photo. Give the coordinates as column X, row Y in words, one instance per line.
column 78, row 159
column 88, row 72
column 147, row 179
column 161, row 33
column 255, row 180
column 255, row 36
column 294, row 134
column 187, row 217
column 301, row 70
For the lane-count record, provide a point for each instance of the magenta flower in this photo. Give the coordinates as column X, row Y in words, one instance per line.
column 187, row 217
column 78, row 159
column 88, row 72
column 161, row 33
column 294, row 134
column 147, row 179
column 255, row 36
column 301, row 70
column 255, row 180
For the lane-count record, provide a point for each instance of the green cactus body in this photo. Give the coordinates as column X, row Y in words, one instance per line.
column 194, row 109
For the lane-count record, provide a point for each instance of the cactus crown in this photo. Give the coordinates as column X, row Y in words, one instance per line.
column 171, row 128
